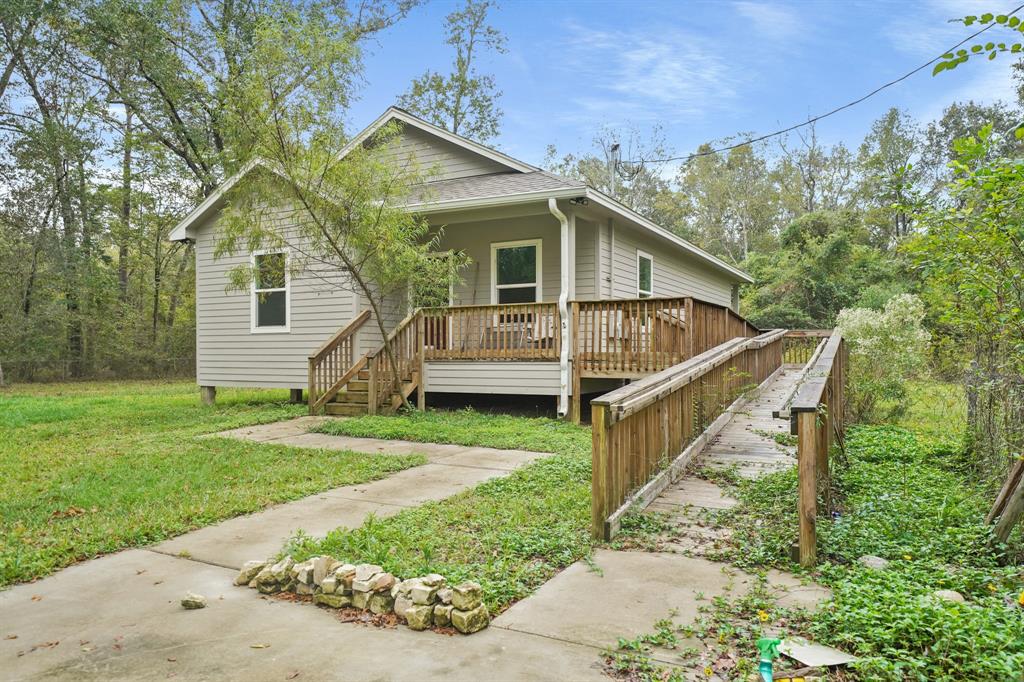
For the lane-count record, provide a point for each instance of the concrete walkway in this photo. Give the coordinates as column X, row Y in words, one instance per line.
column 118, row 617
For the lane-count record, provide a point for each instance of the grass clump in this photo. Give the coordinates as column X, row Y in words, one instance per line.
column 905, row 501
column 509, row 534
column 90, row 468
column 468, row 427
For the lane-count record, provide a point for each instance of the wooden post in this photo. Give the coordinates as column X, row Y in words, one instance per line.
column 311, row 391
column 1012, row 512
column 807, row 436
column 421, row 349
column 208, row 394
column 599, row 471
column 295, row 396
column 576, row 404
column 371, row 395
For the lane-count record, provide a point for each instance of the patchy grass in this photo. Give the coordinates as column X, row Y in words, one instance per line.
column 90, row 468
column 935, row 410
column 468, row 427
column 510, row 534
column 903, row 499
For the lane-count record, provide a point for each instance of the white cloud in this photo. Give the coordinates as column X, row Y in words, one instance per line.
column 772, row 21
column 665, row 76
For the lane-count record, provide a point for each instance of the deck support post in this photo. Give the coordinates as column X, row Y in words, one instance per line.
column 807, row 464
column 295, row 396
column 208, row 394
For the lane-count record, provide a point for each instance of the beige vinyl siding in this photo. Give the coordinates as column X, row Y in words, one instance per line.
column 229, row 354
column 475, row 239
column 440, row 158
column 675, row 272
column 586, row 260
column 511, row 378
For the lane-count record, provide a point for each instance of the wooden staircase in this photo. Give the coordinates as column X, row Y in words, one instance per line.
column 342, row 385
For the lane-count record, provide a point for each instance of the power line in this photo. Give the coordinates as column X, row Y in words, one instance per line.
column 819, row 117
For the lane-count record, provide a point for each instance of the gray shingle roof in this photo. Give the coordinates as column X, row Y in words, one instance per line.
column 494, row 185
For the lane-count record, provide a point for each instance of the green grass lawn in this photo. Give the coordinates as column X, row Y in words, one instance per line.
column 468, row 427
column 89, row 468
column 511, row 534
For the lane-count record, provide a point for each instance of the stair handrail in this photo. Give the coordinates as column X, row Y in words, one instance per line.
column 374, row 361
column 333, row 364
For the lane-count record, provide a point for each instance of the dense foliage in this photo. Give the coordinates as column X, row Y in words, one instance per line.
column 909, row 502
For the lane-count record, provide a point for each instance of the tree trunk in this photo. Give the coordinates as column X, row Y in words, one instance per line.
column 126, row 207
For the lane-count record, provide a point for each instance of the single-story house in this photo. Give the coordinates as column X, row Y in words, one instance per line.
column 568, row 291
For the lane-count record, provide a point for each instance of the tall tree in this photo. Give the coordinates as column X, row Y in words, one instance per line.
column 813, row 176
column 464, row 101
column 889, row 174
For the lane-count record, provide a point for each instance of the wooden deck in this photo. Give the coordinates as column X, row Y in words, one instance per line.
column 745, row 445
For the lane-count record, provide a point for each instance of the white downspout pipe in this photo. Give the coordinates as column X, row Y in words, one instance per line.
column 563, row 309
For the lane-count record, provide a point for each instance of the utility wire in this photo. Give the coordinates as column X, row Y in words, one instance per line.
column 819, row 117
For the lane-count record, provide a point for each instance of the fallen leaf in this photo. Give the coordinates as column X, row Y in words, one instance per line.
column 293, row 675
column 171, row 659
column 259, row 646
column 140, row 571
column 11, row 637
column 37, row 597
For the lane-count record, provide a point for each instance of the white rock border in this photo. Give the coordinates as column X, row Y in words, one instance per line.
column 422, row 603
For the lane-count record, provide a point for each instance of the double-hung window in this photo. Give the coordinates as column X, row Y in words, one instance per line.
column 515, row 271
column 270, row 286
column 644, row 274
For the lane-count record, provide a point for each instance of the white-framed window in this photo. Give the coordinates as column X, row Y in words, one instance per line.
column 644, row 274
column 515, row 271
column 271, row 283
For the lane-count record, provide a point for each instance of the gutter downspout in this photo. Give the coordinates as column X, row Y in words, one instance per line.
column 563, row 310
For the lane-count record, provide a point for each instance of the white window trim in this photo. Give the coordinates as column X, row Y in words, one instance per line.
column 494, row 267
column 253, row 327
column 640, row 293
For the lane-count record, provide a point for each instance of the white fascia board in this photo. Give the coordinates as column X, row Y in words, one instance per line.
column 497, row 200
column 408, row 119
column 607, row 202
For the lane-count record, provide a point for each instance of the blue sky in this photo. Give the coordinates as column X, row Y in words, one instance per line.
column 702, row 70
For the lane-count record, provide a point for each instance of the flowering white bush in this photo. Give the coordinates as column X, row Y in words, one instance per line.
column 887, row 347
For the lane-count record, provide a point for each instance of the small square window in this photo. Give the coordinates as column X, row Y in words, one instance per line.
column 516, row 271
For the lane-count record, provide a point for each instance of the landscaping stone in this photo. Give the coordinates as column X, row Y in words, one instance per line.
column 382, row 582
column 469, row 621
column 303, row 572
column 466, row 596
column 329, row 585
column 366, row 571
column 321, row 566
column 361, row 600
column 281, row 571
column 381, row 602
column 876, row 563
column 420, row 617
column 194, row 601
column 434, row 580
column 249, row 571
column 423, row 594
column 949, row 595
column 304, row 589
column 444, row 595
column 443, row 615
column 345, row 574
column 335, row 601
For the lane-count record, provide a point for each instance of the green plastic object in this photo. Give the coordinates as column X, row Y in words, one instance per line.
column 769, row 649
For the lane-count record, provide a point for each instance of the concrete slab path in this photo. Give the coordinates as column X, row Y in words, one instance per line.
column 451, row 469
column 119, row 618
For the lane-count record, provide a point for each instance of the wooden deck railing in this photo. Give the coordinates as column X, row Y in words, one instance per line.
column 385, row 385
column 818, row 416
column 520, row 331
column 801, row 344
column 629, row 338
column 334, row 364
column 646, row 433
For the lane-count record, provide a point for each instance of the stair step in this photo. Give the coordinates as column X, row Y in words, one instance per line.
column 359, row 385
column 345, row 409
column 353, row 397
column 363, row 375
